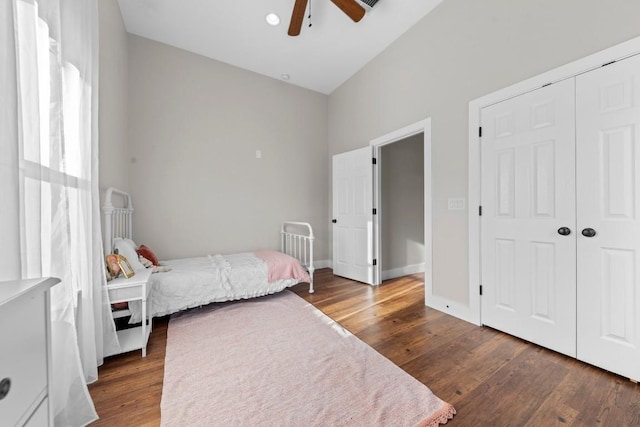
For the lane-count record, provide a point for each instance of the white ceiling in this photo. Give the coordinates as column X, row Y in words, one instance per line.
column 321, row 58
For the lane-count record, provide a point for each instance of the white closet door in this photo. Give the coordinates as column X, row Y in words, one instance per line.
column 528, row 194
column 353, row 215
column 608, row 171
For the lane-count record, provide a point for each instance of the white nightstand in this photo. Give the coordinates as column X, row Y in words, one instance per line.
column 132, row 289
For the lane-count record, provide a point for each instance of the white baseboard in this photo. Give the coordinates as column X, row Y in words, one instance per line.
column 453, row 308
column 402, row 271
column 386, row 275
column 323, row 263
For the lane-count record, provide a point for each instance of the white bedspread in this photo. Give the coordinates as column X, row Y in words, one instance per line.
column 193, row 282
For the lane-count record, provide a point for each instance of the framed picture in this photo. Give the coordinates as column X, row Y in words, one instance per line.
column 125, row 267
column 117, row 264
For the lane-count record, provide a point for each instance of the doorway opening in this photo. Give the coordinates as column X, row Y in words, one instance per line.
column 401, row 169
column 402, row 199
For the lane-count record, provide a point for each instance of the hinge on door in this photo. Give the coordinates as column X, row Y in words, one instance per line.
column 480, row 131
column 375, row 211
column 374, row 161
column 545, row 85
column 480, row 289
column 608, row 63
column 375, row 261
column 480, row 210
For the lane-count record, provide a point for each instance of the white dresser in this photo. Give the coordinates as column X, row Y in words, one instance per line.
column 25, row 348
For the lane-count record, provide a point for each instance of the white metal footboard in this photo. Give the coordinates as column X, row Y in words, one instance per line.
column 297, row 241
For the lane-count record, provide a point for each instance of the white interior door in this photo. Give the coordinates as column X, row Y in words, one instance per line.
column 608, row 171
column 353, row 215
column 528, row 206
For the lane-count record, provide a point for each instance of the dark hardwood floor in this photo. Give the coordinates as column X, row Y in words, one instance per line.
column 491, row 378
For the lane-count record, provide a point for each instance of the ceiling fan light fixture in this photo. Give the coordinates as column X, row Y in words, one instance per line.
column 272, row 19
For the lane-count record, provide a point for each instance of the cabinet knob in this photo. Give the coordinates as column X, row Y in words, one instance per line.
column 5, row 386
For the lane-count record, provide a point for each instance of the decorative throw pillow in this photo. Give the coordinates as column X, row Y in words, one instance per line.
column 144, row 251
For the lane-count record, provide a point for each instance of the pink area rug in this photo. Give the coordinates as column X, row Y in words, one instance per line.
column 278, row 361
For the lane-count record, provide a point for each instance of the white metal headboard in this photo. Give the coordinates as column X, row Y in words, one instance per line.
column 299, row 245
column 117, row 220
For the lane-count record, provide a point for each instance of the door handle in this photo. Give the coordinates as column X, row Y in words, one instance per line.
column 588, row 232
column 334, row 221
column 564, row 231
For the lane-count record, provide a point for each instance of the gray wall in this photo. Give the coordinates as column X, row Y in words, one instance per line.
column 194, row 127
column 402, row 203
column 114, row 156
column 462, row 50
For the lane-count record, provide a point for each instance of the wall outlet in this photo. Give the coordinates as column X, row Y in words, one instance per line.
column 456, row 204
column 258, row 154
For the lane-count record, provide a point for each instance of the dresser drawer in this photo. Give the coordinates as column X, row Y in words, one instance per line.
column 40, row 417
column 23, row 359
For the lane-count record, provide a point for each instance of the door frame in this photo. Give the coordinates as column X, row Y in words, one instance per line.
column 591, row 62
column 424, row 127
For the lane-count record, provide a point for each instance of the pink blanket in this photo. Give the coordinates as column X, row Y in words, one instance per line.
column 282, row 266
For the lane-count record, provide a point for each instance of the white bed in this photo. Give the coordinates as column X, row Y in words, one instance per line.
column 194, row 282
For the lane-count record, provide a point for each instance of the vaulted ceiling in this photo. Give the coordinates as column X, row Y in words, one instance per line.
column 321, row 58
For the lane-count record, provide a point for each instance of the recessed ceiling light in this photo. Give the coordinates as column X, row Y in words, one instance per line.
column 286, row 77
column 272, row 19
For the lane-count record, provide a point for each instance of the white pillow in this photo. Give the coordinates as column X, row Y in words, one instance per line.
column 130, row 242
column 127, row 249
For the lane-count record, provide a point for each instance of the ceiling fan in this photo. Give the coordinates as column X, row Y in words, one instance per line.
column 350, row 7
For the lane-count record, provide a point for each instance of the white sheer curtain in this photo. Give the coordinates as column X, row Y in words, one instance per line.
column 55, row 150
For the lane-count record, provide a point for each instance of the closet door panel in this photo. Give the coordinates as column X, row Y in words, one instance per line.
column 608, row 202
column 528, row 193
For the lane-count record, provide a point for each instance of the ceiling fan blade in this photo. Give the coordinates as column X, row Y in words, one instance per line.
column 297, row 16
column 351, row 8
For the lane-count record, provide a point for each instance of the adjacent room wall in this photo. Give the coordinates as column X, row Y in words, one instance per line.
column 462, row 50
column 114, row 156
column 195, row 125
column 402, row 202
